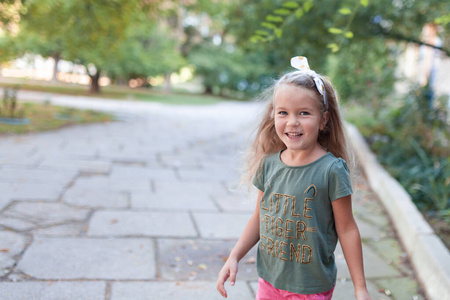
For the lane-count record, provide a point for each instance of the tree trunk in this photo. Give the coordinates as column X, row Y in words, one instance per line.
column 208, row 90
column 57, row 58
column 95, row 87
column 121, row 81
column 167, row 83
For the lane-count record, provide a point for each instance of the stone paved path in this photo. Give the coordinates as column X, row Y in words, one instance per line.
column 149, row 208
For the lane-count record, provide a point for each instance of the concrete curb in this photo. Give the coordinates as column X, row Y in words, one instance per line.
column 427, row 253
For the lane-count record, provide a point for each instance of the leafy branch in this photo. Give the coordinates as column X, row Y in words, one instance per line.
column 345, row 33
column 274, row 22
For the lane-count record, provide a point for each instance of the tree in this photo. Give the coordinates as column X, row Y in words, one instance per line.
column 87, row 31
column 313, row 28
column 226, row 69
column 147, row 51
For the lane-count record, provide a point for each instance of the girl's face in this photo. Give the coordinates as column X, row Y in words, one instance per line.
column 298, row 118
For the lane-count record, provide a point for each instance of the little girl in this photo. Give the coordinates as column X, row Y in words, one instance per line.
column 298, row 164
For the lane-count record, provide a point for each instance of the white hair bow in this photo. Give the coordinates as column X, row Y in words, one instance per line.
column 301, row 63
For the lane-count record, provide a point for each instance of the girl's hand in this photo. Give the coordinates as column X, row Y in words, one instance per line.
column 362, row 294
column 229, row 270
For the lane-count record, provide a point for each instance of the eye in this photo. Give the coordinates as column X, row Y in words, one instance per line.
column 283, row 113
column 304, row 113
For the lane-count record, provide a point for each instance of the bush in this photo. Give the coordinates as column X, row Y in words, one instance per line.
column 229, row 71
column 412, row 142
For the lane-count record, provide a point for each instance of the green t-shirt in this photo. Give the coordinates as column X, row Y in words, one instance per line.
column 297, row 232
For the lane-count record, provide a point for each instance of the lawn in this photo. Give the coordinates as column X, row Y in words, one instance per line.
column 43, row 117
column 178, row 97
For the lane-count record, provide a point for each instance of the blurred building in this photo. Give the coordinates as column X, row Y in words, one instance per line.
column 426, row 65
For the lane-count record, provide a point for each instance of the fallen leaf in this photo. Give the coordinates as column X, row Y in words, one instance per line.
column 250, row 260
column 114, row 221
column 4, row 250
column 192, row 275
column 202, row 266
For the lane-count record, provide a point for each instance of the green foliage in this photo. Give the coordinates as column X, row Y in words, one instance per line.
column 91, row 33
column 413, row 145
column 148, row 50
column 8, row 48
column 443, row 20
column 227, row 70
column 275, row 22
column 399, row 20
column 365, row 72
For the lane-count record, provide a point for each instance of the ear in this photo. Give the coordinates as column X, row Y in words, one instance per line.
column 325, row 118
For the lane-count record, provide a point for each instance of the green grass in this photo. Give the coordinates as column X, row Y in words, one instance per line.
column 47, row 117
column 115, row 92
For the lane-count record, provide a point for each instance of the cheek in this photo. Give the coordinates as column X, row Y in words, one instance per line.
column 312, row 125
column 279, row 126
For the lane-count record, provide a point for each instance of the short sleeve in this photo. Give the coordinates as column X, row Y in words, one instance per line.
column 258, row 180
column 339, row 182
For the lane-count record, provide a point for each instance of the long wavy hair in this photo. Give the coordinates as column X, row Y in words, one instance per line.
column 266, row 142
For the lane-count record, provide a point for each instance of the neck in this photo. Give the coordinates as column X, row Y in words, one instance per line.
column 302, row 157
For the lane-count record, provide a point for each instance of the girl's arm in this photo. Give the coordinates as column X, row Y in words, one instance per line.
column 350, row 240
column 249, row 237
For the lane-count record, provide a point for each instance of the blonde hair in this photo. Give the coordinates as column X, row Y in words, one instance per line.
column 266, row 142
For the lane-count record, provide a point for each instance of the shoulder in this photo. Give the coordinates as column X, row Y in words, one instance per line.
column 271, row 159
column 336, row 165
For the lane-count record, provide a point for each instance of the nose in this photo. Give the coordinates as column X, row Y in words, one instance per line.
column 293, row 121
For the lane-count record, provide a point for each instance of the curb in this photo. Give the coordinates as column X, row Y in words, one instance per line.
column 427, row 253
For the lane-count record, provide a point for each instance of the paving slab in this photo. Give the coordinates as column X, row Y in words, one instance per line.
column 16, row 223
column 370, row 231
column 104, row 183
column 89, row 197
column 4, row 202
column 6, row 262
column 11, row 244
column 133, row 172
column 89, row 258
column 173, row 202
column 207, row 175
column 35, row 175
column 374, row 265
column 125, row 158
column 180, row 290
column 190, row 189
column 194, row 259
column 177, row 161
column 236, row 203
column 31, row 191
column 401, row 288
column 65, row 230
column 141, row 223
column 52, row 290
column 81, row 165
column 391, row 251
column 221, row 225
column 44, row 214
column 344, row 290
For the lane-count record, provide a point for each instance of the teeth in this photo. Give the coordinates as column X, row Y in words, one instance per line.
column 294, row 134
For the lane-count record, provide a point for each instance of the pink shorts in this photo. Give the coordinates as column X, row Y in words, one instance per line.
column 266, row 291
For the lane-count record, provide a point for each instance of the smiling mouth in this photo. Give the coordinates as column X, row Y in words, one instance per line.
column 293, row 135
